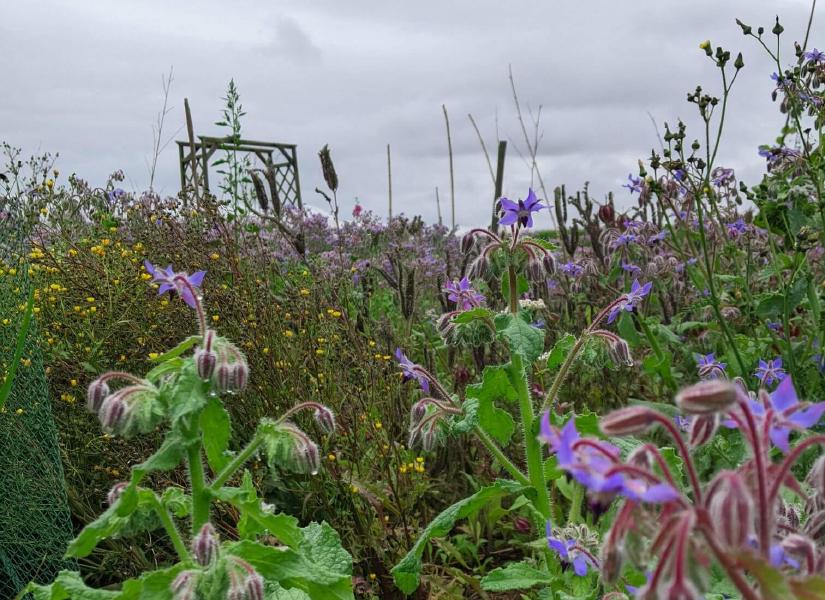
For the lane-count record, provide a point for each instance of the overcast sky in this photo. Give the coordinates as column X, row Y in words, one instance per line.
column 83, row 78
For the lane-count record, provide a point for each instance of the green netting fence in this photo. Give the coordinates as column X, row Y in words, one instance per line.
column 35, row 523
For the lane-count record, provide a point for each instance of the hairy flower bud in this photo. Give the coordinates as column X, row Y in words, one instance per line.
column 467, row 242
column 534, row 270
column 801, row 546
column 205, row 545
column 183, row 586
column 607, row 214
column 702, row 429
column 627, row 421
column 116, row 492
column 306, row 456
column 549, row 263
column 325, row 419
column 328, row 169
column 417, row 412
column 113, row 412
column 706, row 397
column 428, row 439
column 731, row 509
column 205, row 360
column 816, row 476
column 96, row 393
column 223, row 377
column 240, row 375
column 619, row 351
column 480, row 266
column 254, row 587
column 641, row 457
column 236, row 589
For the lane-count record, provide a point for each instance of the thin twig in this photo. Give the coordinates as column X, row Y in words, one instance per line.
column 450, row 150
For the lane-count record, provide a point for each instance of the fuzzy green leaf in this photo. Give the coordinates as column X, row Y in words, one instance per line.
column 523, row 338
column 495, row 385
column 515, row 576
column 68, row 586
column 407, row 572
column 560, row 350
column 215, row 426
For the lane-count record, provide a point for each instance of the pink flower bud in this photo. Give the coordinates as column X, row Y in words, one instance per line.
column 205, row 360
column 183, row 587
column 223, row 377
column 627, row 421
column 254, row 587
column 816, row 476
column 522, row 525
column 619, row 351
column 480, row 266
column 549, row 263
column 236, row 590
column 205, row 545
column 95, row 394
column 731, row 509
column 325, row 419
column 419, row 409
column 702, row 429
column 706, row 397
column 113, row 412
column 240, row 375
column 116, row 492
column 467, row 242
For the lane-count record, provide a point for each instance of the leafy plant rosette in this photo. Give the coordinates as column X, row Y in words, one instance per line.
column 273, row 556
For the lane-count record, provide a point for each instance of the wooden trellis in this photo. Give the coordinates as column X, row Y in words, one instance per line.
column 282, row 159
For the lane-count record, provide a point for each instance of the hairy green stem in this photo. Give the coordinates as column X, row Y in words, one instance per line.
column 200, row 493
column 550, row 399
column 171, row 529
column 532, row 448
column 499, row 455
column 575, row 514
column 236, row 463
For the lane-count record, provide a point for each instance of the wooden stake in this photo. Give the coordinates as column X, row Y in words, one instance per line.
column 193, row 157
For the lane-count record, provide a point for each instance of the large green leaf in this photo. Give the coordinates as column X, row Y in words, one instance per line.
column 407, row 572
column 254, row 519
column 319, row 567
column 215, row 425
column 560, row 350
column 473, row 314
column 515, row 576
column 523, row 338
column 495, row 385
column 68, row 586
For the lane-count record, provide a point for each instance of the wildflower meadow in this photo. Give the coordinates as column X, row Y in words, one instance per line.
column 229, row 394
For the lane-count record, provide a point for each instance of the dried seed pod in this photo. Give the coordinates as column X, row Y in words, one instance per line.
column 328, row 169
column 707, row 397
column 205, row 545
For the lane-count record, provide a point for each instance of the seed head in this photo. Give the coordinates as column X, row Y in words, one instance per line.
column 205, row 546
column 706, row 397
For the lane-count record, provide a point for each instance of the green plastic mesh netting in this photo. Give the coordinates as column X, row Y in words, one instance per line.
column 35, row 523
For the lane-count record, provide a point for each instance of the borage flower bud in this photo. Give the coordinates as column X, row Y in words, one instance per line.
column 418, row 410
column 801, row 546
column 205, row 545
column 707, row 397
column 731, row 509
column 240, row 375
column 223, row 377
column 549, row 263
column 95, row 394
column 627, row 421
column 534, row 270
column 307, row 458
column 325, row 419
column 702, row 429
column 816, row 476
column 183, row 586
column 467, row 242
column 641, row 457
column 254, row 587
column 113, row 412
column 205, row 360
column 619, row 351
column 480, row 266
column 116, row 492
column 428, row 439
column 236, row 590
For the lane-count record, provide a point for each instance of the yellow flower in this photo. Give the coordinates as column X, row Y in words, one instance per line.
column 371, row 343
column 145, row 276
column 216, row 318
column 214, row 256
column 90, row 299
column 372, row 576
column 27, row 362
column 705, row 45
column 73, row 382
column 320, row 352
column 50, row 183
column 153, row 355
column 331, row 457
column 288, row 333
column 266, row 350
column 304, row 292
column 353, row 489
column 19, row 411
column 378, row 424
column 6, row 321
column 419, row 459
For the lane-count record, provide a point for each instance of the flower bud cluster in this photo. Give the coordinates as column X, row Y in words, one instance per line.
column 116, row 410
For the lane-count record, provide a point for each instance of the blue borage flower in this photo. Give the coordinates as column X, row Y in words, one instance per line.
column 170, row 280
column 520, row 212
column 630, row 300
column 786, row 411
column 709, row 367
column 597, row 465
column 411, row 370
column 463, row 294
column 571, row 552
column 770, row 371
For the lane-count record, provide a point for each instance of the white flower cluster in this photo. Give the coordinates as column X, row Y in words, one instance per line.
column 528, row 304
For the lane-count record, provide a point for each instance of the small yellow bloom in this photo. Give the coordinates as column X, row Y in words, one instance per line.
column 216, row 318
column 419, row 459
column 73, row 382
column 288, row 333
column 27, row 362
column 378, row 425
column 145, row 276
column 705, row 45
column 72, row 252
column 93, row 309
column 214, row 256
column 331, row 457
column 266, row 350
column 353, row 489
column 304, row 292
column 19, row 411
column 90, row 299
column 372, row 576
column 320, row 352
column 153, row 355
column 371, row 343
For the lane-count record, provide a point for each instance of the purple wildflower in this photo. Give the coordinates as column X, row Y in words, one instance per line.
column 769, row 371
column 624, row 239
column 659, row 237
column 569, row 552
column 683, row 423
column 571, row 269
column 629, row 301
column 115, row 195
column 182, row 283
column 521, row 212
column 709, row 367
column 775, row 326
column 634, row 184
column 631, row 268
column 815, row 55
column 463, row 294
column 737, row 228
column 412, row 370
column 723, row 176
